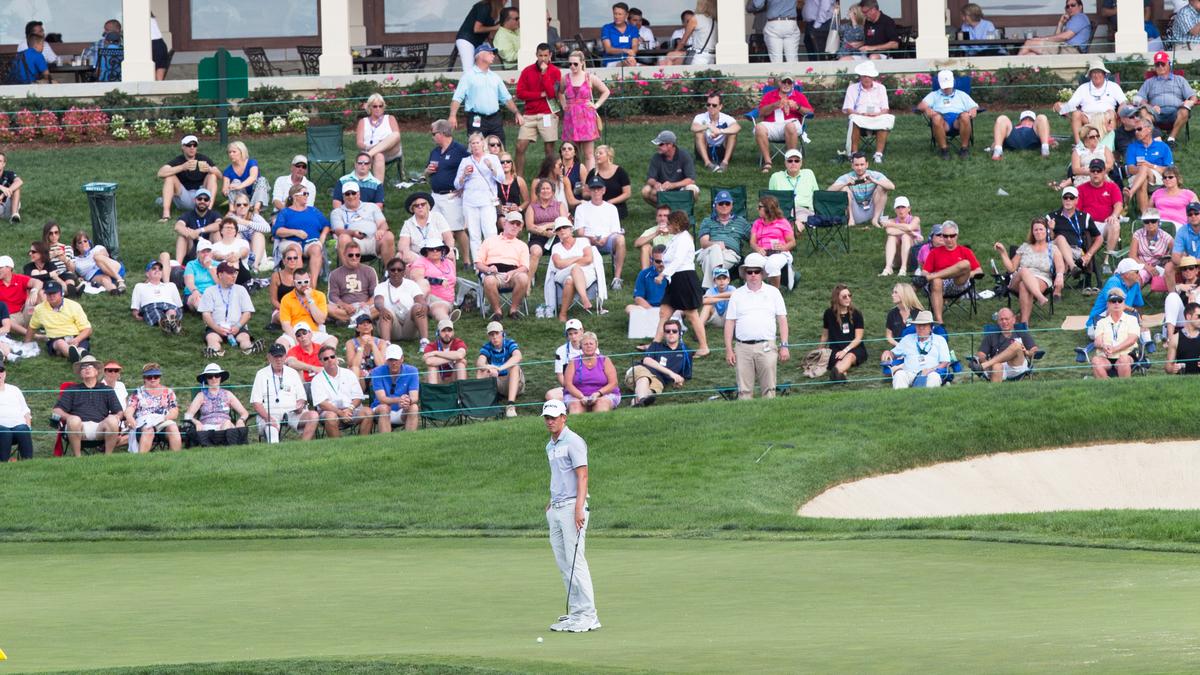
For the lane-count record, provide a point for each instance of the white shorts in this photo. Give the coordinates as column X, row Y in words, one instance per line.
column 369, row 245
column 589, row 275
column 1013, row 371
column 776, row 130
column 91, row 431
column 320, row 337
column 290, row 418
column 450, row 206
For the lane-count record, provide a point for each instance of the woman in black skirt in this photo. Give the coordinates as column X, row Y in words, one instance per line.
column 842, row 332
column 683, row 290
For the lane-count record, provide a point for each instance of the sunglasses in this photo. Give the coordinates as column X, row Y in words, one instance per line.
column 112, row 370
column 670, row 331
column 494, row 145
column 1102, row 171
column 54, row 232
column 1171, row 177
column 1188, row 269
column 291, row 257
column 212, row 377
column 950, row 236
column 575, row 64
column 420, row 205
column 302, row 193
column 658, row 262
column 793, row 160
column 1066, row 197
column 202, row 198
column 190, row 145
column 1091, row 136
column 31, row 251
column 376, row 105
column 713, row 105
column 241, row 204
column 362, row 163
column 301, row 165
column 349, row 193
column 353, row 255
column 396, row 270
column 1115, row 301
column 152, row 377
column 330, row 358
column 506, row 161
column 1150, row 222
column 301, row 282
column 752, row 270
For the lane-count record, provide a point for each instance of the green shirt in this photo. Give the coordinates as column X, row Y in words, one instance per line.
column 802, row 186
column 735, row 234
column 507, row 44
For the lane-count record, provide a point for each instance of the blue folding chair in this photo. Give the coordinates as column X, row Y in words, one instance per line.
column 777, row 147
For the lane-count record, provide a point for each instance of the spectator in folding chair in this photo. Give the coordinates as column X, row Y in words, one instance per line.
column 1183, row 347
column 403, row 312
column 1004, row 354
column 1094, row 102
column 397, row 388
column 302, row 224
column 1185, row 292
column 1127, row 281
column 500, row 357
column 503, row 265
column 15, row 420
column 772, row 237
column 1068, row 227
column 446, row 356
column 950, row 111
column 598, row 223
column 1036, row 267
column 212, row 408
column 278, row 398
column 362, row 222
column 801, row 182
column 89, row 409
column 716, row 299
column 1116, row 337
column 1187, row 241
column 754, row 318
column 1101, row 199
column 304, row 305
column 1172, row 198
column 370, row 190
column 1169, row 96
column 657, row 235
column 152, row 411
column 671, row 168
column 1031, row 131
column 866, row 191
column 590, row 381
column 866, row 106
column 722, row 237
column 926, row 355
column 780, row 118
column 338, row 397
column 571, row 265
column 666, row 361
column 1151, row 247
column 298, row 176
column 950, row 269
column 434, row 272
column 157, row 301
column 716, row 134
column 1145, row 161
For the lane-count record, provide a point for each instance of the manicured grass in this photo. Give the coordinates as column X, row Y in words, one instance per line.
column 667, row 606
column 964, row 190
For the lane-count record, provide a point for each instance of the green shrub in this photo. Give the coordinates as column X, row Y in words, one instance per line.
column 267, row 100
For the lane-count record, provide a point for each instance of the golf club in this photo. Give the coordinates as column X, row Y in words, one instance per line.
column 571, row 579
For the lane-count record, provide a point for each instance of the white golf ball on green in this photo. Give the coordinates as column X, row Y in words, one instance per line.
column 539, row 639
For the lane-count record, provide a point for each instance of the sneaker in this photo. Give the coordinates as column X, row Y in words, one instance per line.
column 583, row 625
column 944, row 153
column 73, row 354
column 973, row 364
column 878, row 158
column 963, row 152
column 560, row 626
column 16, row 218
column 165, row 325
column 804, row 137
column 266, row 265
column 510, row 411
column 423, row 344
column 455, row 314
column 617, row 284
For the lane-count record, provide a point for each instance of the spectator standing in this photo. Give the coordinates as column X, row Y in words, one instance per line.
column 378, row 135
column 184, row 176
column 89, row 409
column 477, row 178
column 481, row 92
column 780, row 118
column 581, row 116
column 10, row 191
column 866, row 106
column 537, row 89
column 278, row 398
column 508, row 37
column 818, row 16
column 444, row 159
column 716, row 134
column 15, row 420
column 397, row 389
column 481, row 23
column 683, row 286
column 754, row 319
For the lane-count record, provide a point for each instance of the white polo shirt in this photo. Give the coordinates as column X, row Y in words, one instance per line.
column 399, row 298
column 278, row 392
column 565, row 455
column 340, row 389
column 755, row 312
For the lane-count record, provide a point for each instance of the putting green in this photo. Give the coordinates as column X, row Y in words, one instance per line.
column 670, row 605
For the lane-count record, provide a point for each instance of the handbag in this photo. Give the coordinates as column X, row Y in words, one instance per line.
column 816, row 362
column 834, row 40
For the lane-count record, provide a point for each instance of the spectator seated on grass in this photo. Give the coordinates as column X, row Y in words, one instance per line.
column 842, row 333
column 157, row 302
column 716, row 134
column 184, row 177
column 1151, row 246
column 1146, row 159
column 925, row 354
column 949, row 111
column 800, row 182
column 563, row 355
column 867, row 191
column 356, row 220
column 446, row 357
column 503, row 265
column 226, row 309
column 298, row 176
column 1127, row 281
column 772, row 237
column 403, row 313
column 20, row 295
column 657, row 235
column 1094, row 102
column 1168, row 96
column 1186, row 291
column 500, row 357
column 242, row 178
column 351, row 288
column 93, row 265
column 232, row 250
column 88, row 410
column 1183, row 347
column 253, row 229
column 152, row 411
column 305, row 356
column 64, row 323
column 338, row 397
column 648, row 290
column 425, row 227
column 590, row 380
column 665, row 362
column 303, row 225
column 723, row 236
column 599, row 224
column 10, row 191
column 571, row 265
column 212, row 410
column 1031, row 132
column 1068, row 226
column 1036, row 267
column 780, row 119
column 671, row 169
column 1071, row 34
column 49, row 259
column 866, row 106
column 755, row 317
column 15, row 421
column 1101, row 199
column 279, row 399
column 304, row 305
column 370, row 189
column 397, row 388
column 199, row 275
column 903, row 230
column 1004, row 354
column 716, row 299
column 949, row 269
column 1116, row 337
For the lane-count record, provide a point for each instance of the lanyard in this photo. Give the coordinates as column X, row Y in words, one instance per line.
column 226, row 298
column 928, row 346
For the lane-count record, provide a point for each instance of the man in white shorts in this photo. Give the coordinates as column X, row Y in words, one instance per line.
column 278, row 398
column 1004, row 354
column 397, row 388
column 780, row 118
column 362, row 222
column 403, row 313
column 598, row 221
column 89, row 410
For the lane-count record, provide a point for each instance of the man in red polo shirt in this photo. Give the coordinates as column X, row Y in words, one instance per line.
column 949, row 269
column 780, row 118
column 537, row 89
column 20, row 293
column 1101, row 199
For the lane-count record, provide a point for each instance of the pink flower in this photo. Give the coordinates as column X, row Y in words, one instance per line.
column 899, row 92
column 645, row 92
column 658, row 75
column 1037, row 69
column 736, row 83
column 683, row 90
column 641, row 83
column 808, row 69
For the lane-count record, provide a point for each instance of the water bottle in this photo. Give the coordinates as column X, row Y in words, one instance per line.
column 232, row 340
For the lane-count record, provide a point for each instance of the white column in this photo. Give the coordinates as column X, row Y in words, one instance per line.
column 533, row 30
column 138, row 65
column 335, row 38
column 732, row 48
column 931, row 39
column 1131, row 29
column 358, row 28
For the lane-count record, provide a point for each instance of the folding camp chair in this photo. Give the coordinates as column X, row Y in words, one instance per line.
column 961, row 83
column 597, row 292
column 777, row 147
column 478, row 399
column 950, row 301
column 947, row 374
column 973, row 362
column 326, row 156
column 829, row 223
column 439, row 404
column 505, row 299
column 680, row 200
column 1002, row 290
column 1166, row 127
column 739, row 199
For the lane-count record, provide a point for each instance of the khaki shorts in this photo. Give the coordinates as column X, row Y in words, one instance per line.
column 535, row 127
column 638, row 372
column 502, row 383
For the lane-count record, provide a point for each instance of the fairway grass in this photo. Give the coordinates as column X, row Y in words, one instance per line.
column 884, row 606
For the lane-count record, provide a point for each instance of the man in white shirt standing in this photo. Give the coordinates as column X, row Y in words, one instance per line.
column 716, row 134
column 338, row 397
column 278, row 398
column 754, row 318
column 598, row 221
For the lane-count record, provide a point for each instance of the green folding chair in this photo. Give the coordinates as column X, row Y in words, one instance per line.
column 786, row 199
column 326, row 155
column 739, row 199
column 680, row 200
column 827, row 228
column 439, row 404
column 479, row 399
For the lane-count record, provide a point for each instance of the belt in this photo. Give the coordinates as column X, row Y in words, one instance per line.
column 751, row 342
column 783, row 18
column 444, row 192
column 562, row 503
column 475, row 112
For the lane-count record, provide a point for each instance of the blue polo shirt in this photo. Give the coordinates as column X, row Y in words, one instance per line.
column 496, row 356
column 645, row 287
column 310, row 220
column 618, row 39
column 442, row 180
column 1133, row 298
column 1157, row 153
column 406, row 382
column 956, row 102
column 480, row 92
column 678, row 361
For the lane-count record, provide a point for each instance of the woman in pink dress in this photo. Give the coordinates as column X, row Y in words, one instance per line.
column 580, row 120
column 1172, row 199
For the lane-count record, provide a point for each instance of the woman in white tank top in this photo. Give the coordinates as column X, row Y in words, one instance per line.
column 378, row 135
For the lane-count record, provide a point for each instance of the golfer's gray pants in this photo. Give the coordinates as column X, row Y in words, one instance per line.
column 561, row 518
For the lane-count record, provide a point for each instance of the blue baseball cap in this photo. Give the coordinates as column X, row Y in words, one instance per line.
column 485, row 47
column 153, row 263
column 723, row 197
column 1194, row 207
column 720, row 272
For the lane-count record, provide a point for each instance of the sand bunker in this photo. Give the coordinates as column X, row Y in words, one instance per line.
column 1116, row 476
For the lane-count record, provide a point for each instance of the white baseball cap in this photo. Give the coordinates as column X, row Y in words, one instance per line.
column 562, row 221
column 1128, row 265
column 6, row 261
column 1070, row 190
column 945, row 79
column 754, row 260
column 515, row 216
column 495, row 327
column 866, row 69
column 299, row 159
column 574, row 324
column 189, row 139
column 203, row 245
column 554, row 409
column 901, row 201
column 301, row 325
column 394, row 353
column 349, row 186
column 1027, row 115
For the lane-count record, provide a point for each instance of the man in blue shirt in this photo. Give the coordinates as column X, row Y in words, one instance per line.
column 397, row 388
column 647, row 293
column 669, row 361
column 499, row 358
column 950, row 111
column 1126, row 278
column 29, row 66
column 1071, row 34
column 1145, row 160
column 370, row 188
column 444, row 159
column 619, row 39
column 480, row 92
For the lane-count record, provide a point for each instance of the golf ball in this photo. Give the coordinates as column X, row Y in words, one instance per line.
column 539, row 639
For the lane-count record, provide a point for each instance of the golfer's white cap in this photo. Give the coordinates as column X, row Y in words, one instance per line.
column 901, row 201
column 1027, row 115
column 1128, row 265
column 189, row 139
column 553, row 409
column 394, row 353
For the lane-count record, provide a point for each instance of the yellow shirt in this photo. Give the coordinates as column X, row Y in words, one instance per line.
column 1110, row 334
column 507, row 43
column 292, row 312
column 66, row 321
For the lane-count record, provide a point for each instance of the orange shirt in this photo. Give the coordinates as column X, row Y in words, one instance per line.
column 292, row 312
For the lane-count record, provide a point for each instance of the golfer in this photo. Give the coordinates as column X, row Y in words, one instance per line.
column 567, row 514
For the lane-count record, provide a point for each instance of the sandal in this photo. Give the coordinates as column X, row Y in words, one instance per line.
column 766, row 168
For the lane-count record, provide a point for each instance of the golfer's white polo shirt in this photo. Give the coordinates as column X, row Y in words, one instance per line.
column 566, row 454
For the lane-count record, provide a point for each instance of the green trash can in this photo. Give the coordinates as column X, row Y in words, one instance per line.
column 102, row 202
